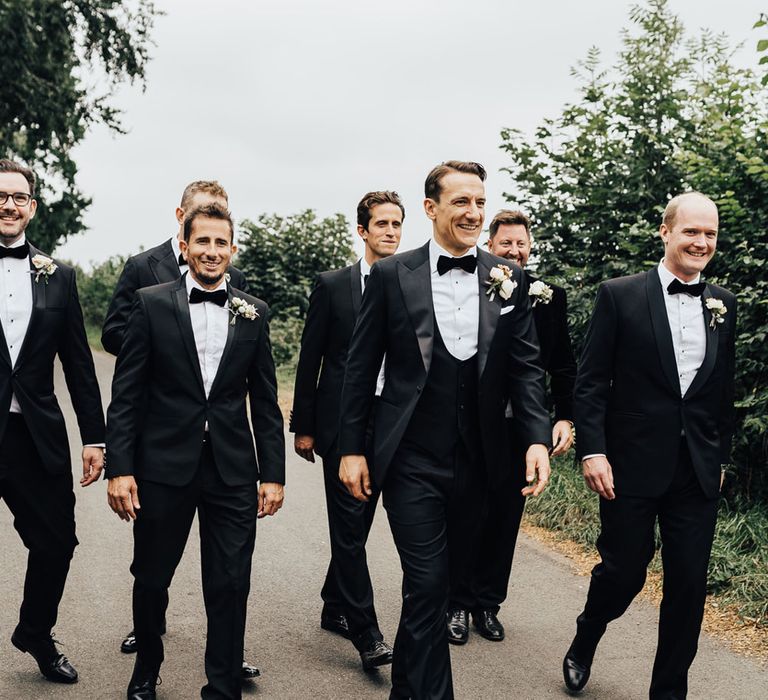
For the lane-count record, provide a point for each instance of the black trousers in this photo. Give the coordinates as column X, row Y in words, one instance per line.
column 43, row 508
column 626, row 544
column 482, row 584
column 426, row 502
column 227, row 520
column 347, row 589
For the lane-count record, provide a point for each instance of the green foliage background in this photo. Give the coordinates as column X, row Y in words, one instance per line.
column 281, row 256
column 672, row 115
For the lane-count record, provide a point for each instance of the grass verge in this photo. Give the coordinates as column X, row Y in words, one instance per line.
column 738, row 568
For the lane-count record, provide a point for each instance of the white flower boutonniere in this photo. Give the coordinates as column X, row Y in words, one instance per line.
column 240, row 307
column 717, row 309
column 500, row 282
column 227, row 277
column 540, row 292
column 44, row 267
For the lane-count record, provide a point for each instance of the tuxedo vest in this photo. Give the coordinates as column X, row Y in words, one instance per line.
column 447, row 410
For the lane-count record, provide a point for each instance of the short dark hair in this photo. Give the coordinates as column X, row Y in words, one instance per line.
column 432, row 188
column 509, row 217
column 11, row 166
column 210, row 187
column 373, row 199
column 211, row 211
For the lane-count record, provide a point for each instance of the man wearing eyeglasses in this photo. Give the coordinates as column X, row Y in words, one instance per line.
column 41, row 318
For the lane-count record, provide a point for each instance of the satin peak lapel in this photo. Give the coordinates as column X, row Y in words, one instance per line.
column 184, row 319
column 661, row 331
column 416, row 289
column 38, row 303
column 489, row 311
column 710, row 354
column 232, row 329
column 166, row 268
column 355, row 288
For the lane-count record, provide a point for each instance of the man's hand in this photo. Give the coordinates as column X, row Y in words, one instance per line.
column 599, row 476
column 93, row 463
column 305, row 447
column 270, row 499
column 562, row 437
column 123, row 497
column 536, row 461
column 353, row 472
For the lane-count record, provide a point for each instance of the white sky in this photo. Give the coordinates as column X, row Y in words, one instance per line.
column 295, row 104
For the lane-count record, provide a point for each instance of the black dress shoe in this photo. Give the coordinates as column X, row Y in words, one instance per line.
column 458, row 626
column 143, row 684
column 575, row 673
column 250, row 672
column 128, row 645
column 335, row 623
column 53, row 665
column 488, row 625
column 378, row 653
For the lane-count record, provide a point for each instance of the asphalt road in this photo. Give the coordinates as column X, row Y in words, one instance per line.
column 298, row 659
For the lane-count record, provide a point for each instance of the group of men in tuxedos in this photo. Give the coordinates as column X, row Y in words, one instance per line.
column 421, row 379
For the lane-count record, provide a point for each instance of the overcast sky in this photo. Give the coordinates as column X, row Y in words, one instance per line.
column 295, row 104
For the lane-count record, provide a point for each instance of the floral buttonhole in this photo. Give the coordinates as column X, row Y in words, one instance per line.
column 240, row 307
column 500, row 282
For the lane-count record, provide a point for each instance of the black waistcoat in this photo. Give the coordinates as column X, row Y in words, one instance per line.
column 447, row 409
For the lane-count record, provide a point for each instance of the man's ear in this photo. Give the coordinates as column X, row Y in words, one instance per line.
column 362, row 232
column 179, row 215
column 664, row 233
column 429, row 208
column 183, row 247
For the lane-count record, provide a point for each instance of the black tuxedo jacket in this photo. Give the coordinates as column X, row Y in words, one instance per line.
column 627, row 397
column 556, row 352
column 333, row 308
column 55, row 328
column 397, row 318
column 158, row 412
column 146, row 269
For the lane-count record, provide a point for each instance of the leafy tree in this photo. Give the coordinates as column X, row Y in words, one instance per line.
column 62, row 61
column 672, row 115
column 281, row 256
column 95, row 290
column 762, row 44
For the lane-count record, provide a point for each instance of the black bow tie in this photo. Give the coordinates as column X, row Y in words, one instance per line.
column 677, row 287
column 219, row 297
column 181, row 260
column 19, row 252
column 468, row 263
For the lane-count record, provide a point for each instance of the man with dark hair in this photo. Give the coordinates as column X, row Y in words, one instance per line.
column 333, row 308
column 457, row 331
column 654, row 419
column 481, row 586
column 40, row 318
column 179, row 444
column 163, row 263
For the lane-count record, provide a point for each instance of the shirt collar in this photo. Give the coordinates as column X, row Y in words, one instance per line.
column 176, row 247
column 18, row 243
column 436, row 250
column 365, row 268
column 192, row 284
column 666, row 276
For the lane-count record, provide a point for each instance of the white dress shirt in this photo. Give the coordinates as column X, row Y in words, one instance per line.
column 209, row 326
column 456, row 301
column 177, row 251
column 365, row 270
column 15, row 305
column 688, row 327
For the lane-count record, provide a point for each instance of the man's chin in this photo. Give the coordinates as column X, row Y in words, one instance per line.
column 209, row 280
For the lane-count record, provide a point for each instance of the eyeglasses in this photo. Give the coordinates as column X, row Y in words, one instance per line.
column 21, row 199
